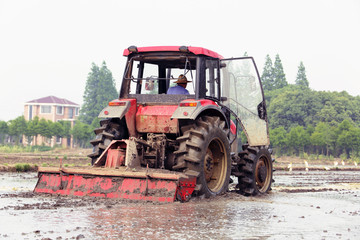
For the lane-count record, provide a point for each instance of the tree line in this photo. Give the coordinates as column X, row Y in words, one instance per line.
column 12, row 132
column 304, row 121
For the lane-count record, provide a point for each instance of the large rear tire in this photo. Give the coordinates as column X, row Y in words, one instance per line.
column 110, row 129
column 204, row 152
column 257, row 171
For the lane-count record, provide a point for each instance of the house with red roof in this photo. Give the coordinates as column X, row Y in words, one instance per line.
column 54, row 109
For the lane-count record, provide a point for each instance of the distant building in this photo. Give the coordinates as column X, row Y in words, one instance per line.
column 54, row 109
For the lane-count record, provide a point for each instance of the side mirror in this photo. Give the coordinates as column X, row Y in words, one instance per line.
column 262, row 110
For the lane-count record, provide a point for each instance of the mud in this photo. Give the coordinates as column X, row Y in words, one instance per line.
column 302, row 205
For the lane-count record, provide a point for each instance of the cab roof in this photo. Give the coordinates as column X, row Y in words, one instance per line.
column 194, row 50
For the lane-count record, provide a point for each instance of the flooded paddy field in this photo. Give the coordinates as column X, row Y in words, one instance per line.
column 302, row 205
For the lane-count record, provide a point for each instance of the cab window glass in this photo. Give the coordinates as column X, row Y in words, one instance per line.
column 145, row 79
column 175, row 73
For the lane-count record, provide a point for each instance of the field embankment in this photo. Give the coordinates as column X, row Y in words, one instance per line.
column 24, row 161
column 13, row 162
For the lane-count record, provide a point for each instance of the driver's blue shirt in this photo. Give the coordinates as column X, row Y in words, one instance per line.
column 177, row 90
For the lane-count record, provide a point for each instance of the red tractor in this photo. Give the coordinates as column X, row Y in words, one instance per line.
column 149, row 138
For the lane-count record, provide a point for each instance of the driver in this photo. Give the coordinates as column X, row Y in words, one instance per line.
column 180, row 87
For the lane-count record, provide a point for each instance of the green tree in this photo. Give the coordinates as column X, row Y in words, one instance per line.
column 82, row 133
column 323, row 137
column 66, row 128
column 297, row 139
column 4, row 130
column 267, row 77
column 338, row 107
column 292, row 140
column 32, row 129
column 44, row 128
column 344, row 126
column 57, row 129
column 17, row 128
column 354, row 137
column 327, row 113
column 99, row 90
column 347, row 139
column 51, row 130
column 279, row 75
column 294, row 106
column 278, row 139
column 301, row 79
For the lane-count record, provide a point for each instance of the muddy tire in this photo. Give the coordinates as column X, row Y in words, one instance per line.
column 204, row 152
column 110, row 129
column 257, row 171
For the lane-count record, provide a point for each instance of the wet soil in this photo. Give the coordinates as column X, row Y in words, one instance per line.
column 302, row 205
column 321, row 203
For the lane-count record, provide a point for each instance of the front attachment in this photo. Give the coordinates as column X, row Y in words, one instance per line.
column 144, row 184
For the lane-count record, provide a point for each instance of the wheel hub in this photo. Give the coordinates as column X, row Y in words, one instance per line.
column 260, row 172
column 208, row 165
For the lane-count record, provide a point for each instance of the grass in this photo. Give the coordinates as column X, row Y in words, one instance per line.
column 311, row 157
column 22, row 149
column 69, row 165
column 22, row 167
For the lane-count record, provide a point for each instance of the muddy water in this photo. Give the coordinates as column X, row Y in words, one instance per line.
column 302, row 205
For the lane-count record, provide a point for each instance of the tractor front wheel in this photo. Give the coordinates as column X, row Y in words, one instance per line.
column 257, row 172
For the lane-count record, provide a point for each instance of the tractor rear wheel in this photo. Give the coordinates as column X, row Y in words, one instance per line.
column 257, row 171
column 110, row 129
column 204, row 152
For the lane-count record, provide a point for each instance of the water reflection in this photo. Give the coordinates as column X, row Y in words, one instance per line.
column 235, row 218
column 137, row 220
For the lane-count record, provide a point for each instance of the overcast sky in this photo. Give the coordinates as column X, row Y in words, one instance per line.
column 47, row 47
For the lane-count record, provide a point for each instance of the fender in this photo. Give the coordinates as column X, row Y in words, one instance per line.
column 116, row 109
column 119, row 108
column 191, row 109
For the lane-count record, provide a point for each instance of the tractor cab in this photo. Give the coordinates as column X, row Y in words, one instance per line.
column 232, row 84
column 153, row 70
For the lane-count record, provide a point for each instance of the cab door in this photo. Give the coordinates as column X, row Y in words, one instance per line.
column 242, row 89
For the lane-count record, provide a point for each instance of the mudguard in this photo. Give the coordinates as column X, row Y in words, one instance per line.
column 116, row 109
column 191, row 109
column 119, row 108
